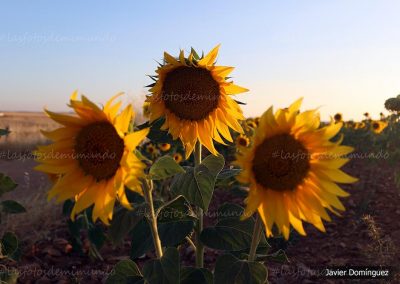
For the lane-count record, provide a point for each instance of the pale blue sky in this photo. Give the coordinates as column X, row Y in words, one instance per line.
column 341, row 55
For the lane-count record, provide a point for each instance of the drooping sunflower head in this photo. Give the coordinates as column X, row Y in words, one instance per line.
column 378, row 126
column 193, row 95
column 292, row 168
column 164, row 146
column 91, row 157
column 338, row 117
column 366, row 114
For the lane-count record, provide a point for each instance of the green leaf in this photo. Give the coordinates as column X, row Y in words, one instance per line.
column 12, row 207
column 96, row 236
column 195, row 55
column 4, row 132
column 6, row 184
column 74, row 228
column 9, row 244
column 229, row 269
column 175, row 221
column 141, row 157
column 178, row 209
column 67, row 207
column 128, row 268
column 141, row 241
column 125, row 271
column 230, row 233
column 165, row 270
column 191, row 275
column 228, row 174
column 123, row 222
column 165, row 167
column 197, row 184
column 278, row 256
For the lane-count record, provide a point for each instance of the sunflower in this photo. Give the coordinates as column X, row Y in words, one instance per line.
column 251, row 123
column 378, row 126
column 193, row 95
column 152, row 150
column 292, row 169
column 338, row 117
column 91, row 157
column 177, row 157
column 366, row 114
column 359, row 125
column 164, row 146
column 242, row 140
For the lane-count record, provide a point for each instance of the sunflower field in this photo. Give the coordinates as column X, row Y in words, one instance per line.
column 198, row 193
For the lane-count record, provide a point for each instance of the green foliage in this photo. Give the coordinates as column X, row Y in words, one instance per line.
column 11, row 207
column 191, row 275
column 197, row 184
column 278, row 256
column 230, row 269
column 6, row 184
column 81, row 223
column 165, row 270
column 124, row 221
column 164, row 167
column 8, row 245
column 230, row 233
column 125, row 271
column 175, row 222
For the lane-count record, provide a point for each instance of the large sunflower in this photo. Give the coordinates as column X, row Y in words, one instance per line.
column 192, row 94
column 92, row 155
column 292, row 169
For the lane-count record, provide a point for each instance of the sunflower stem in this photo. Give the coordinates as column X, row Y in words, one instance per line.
column 148, row 196
column 256, row 238
column 199, row 227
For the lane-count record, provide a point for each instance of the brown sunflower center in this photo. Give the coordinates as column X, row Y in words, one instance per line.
column 281, row 163
column 190, row 93
column 375, row 125
column 99, row 150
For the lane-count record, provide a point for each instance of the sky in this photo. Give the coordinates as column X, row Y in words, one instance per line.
column 341, row 56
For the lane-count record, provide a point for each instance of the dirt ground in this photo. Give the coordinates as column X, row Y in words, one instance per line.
column 368, row 233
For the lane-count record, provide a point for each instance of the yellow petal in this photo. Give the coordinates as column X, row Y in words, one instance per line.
column 132, row 140
column 123, row 120
column 210, row 58
column 66, row 120
column 232, row 89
